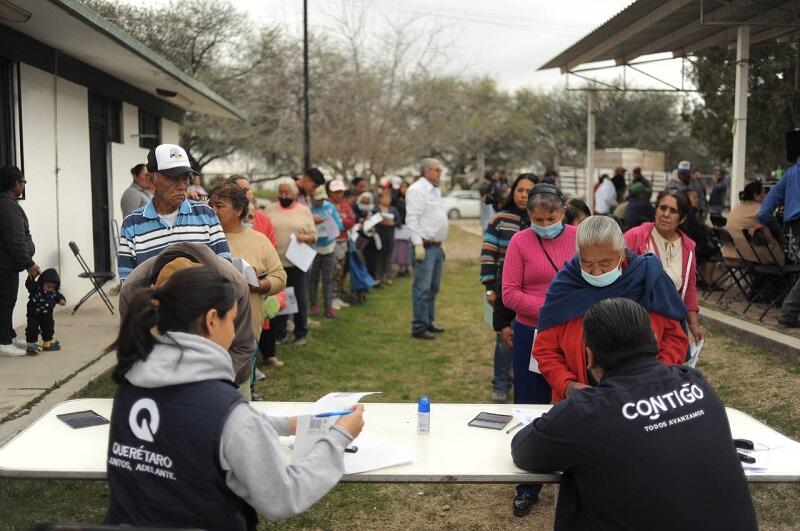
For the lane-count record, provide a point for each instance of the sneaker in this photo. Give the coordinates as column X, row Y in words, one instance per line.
column 255, row 397
column 32, row 349
column 315, row 310
column 330, row 313
column 273, row 361
column 20, row 343
column 523, row 504
column 11, row 350
column 313, row 324
column 499, row 397
column 280, row 340
column 340, row 303
column 299, row 341
column 55, row 345
column 260, row 375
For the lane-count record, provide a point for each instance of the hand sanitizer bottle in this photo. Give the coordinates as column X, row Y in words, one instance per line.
column 424, row 415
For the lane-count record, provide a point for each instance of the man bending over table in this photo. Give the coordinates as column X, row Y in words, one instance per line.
column 648, row 447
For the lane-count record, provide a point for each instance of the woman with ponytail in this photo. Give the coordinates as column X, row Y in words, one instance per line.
column 185, row 449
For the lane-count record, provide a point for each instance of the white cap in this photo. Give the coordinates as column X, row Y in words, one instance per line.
column 396, row 182
column 169, row 159
column 684, row 165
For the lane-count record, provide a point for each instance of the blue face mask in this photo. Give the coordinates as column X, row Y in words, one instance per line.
column 606, row 279
column 549, row 232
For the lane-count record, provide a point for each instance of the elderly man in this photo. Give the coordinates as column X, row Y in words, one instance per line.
column 185, row 254
column 640, row 436
column 427, row 221
column 170, row 217
column 138, row 194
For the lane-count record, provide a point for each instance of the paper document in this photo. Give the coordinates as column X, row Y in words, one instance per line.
column 402, row 233
column 300, row 254
column 526, row 416
column 339, row 400
column 372, row 221
column 310, row 429
column 244, row 267
column 373, row 453
column 533, row 365
column 328, row 228
column 488, row 313
column 694, row 352
column 291, row 302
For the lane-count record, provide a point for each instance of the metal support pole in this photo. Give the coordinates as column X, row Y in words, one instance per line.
column 306, row 117
column 590, row 139
column 740, row 112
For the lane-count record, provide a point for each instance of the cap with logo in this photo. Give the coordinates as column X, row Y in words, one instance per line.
column 320, row 193
column 684, row 166
column 169, row 159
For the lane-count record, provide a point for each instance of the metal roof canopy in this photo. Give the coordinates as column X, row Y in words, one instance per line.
column 71, row 27
column 683, row 28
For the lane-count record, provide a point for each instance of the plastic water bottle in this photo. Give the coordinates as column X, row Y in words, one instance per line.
column 424, row 415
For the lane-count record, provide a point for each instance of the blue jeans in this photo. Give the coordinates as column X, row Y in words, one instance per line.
column 503, row 356
column 529, row 387
column 427, row 277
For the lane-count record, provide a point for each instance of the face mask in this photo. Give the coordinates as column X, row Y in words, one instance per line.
column 606, row 279
column 549, row 232
column 365, row 208
column 285, row 202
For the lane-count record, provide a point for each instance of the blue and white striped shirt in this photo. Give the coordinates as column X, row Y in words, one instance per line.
column 144, row 235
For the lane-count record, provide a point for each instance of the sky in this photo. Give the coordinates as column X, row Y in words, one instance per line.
column 506, row 40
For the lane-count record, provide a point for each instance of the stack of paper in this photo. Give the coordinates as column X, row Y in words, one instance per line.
column 300, row 254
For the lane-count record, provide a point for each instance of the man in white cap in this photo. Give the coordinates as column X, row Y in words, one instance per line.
column 170, row 217
column 681, row 183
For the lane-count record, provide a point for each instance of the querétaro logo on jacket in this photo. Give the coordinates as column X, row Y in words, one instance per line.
column 144, row 419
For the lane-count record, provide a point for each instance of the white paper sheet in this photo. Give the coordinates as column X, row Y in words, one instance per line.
column 300, row 254
column 402, row 233
column 291, row 303
column 310, row 429
column 372, row 221
column 339, row 400
column 526, row 416
column 533, row 365
column 694, row 352
column 328, row 228
column 488, row 313
column 243, row 267
column 373, row 453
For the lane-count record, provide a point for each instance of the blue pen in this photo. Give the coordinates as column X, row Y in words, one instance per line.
column 334, row 413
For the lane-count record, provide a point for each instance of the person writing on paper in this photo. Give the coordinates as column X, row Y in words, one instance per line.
column 645, row 434
column 675, row 249
column 290, row 218
column 229, row 202
column 185, row 449
column 603, row 268
column 533, row 259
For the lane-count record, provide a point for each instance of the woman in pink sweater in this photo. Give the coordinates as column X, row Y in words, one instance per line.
column 533, row 258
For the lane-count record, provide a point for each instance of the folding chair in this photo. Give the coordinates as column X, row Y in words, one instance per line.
column 770, row 268
column 739, row 272
column 97, row 278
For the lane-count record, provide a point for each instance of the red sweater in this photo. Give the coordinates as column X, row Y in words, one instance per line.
column 560, row 351
column 640, row 241
column 527, row 272
column 262, row 224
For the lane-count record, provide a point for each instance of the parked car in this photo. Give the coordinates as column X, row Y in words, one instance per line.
column 463, row 204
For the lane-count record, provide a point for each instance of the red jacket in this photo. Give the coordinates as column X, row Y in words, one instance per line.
column 640, row 241
column 262, row 224
column 560, row 351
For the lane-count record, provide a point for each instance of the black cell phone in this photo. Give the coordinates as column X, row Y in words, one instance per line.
column 263, row 275
column 82, row 419
column 492, row 421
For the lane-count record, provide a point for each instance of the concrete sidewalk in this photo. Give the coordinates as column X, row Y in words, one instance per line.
column 30, row 385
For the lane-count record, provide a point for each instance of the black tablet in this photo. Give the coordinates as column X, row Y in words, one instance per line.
column 492, row 421
column 82, row 419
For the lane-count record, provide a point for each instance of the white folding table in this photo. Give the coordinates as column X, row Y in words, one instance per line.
column 451, row 453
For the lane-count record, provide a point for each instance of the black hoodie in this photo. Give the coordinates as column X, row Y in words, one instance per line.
column 39, row 302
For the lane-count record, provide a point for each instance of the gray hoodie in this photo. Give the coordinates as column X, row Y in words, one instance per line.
column 249, row 451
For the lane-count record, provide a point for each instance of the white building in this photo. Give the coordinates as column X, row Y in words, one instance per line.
column 81, row 102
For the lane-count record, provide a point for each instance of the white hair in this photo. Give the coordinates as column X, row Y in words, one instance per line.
column 288, row 181
column 599, row 230
column 427, row 164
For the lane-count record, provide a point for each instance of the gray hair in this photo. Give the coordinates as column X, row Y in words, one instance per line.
column 288, row 181
column 546, row 200
column 599, row 230
column 427, row 164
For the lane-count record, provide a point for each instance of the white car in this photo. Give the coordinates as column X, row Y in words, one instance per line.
column 463, row 204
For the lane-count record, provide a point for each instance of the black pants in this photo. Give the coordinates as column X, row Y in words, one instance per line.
column 297, row 279
column 9, row 285
column 266, row 342
column 39, row 322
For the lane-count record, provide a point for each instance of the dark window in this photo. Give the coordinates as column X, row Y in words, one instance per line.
column 106, row 111
column 7, row 137
column 149, row 130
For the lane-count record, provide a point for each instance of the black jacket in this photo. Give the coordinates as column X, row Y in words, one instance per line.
column 16, row 244
column 649, row 448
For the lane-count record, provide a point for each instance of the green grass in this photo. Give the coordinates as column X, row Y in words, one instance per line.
column 369, row 348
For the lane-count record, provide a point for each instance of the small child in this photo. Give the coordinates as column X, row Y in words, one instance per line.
column 43, row 295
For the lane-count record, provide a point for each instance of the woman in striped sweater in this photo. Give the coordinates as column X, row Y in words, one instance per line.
column 503, row 226
column 532, row 260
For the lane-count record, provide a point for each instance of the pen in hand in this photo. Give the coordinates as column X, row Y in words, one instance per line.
column 334, row 413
